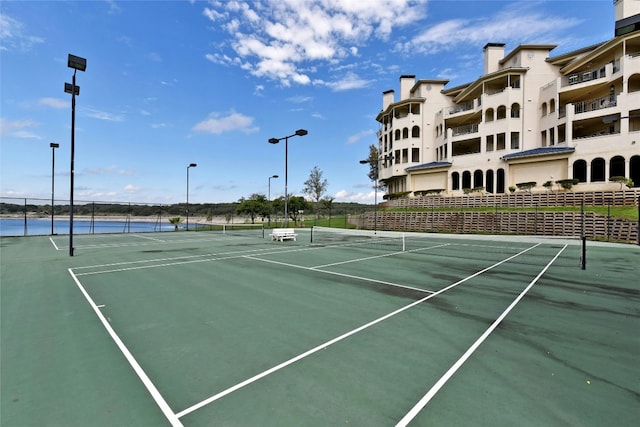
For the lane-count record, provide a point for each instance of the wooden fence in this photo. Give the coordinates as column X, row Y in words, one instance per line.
column 569, row 224
column 627, row 197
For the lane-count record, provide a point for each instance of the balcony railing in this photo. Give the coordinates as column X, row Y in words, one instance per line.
column 464, row 130
column 464, row 106
column 595, row 104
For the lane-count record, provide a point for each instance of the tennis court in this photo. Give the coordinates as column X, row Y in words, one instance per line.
column 230, row 328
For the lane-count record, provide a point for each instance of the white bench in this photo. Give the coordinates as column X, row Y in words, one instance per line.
column 282, row 234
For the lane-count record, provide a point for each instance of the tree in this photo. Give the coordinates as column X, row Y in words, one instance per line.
column 256, row 205
column 622, row 180
column 175, row 221
column 374, row 155
column 315, row 186
column 295, row 204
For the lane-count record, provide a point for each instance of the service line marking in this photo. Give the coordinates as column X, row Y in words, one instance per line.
column 441, row 382
column 164, row 407
column 340, row 338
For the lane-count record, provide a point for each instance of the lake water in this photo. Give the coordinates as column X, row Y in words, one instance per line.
column 16, row 227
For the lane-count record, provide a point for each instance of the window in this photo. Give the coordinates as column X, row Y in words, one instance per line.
column 488, row 115
column 552, row 106
column 396, row 157
column 515, row 140
column 597, row 170
column 415, row 132
column 552, row 137
column 398, row 134
column 405, row 133
column 515, row 111
column 500, row 141
column 405, row 155
column 455, row 181
column 580, row 170
column 415, row 155
column 489, row 142
column 501, row 112
column 543, row 137
column 544, row 109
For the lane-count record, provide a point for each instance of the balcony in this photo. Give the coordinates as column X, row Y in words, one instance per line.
column 608, row 101
column 464, row 130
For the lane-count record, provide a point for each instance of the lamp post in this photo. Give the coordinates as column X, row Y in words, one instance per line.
column 269, row 197
column 53, row 146
column 77, row 63
column 192, row 165
column 375, row 163
column 299, row 132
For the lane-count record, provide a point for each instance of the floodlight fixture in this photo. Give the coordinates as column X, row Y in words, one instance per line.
column 77, row 63
column 191, row 165
column 299, row 132
column 69, row 88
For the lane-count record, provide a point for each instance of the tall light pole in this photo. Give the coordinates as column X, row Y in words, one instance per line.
column 375, row 164
column 77, row 63
column 269, row 197
column 192, row 165
column 299, row 132
column 53, row 146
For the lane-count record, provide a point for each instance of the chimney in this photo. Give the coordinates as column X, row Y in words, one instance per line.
column 406, row 83
column 493, row 53
column 387, row 99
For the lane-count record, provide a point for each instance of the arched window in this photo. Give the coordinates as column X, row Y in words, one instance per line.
column 398, row 134
column 415, row 132
column 466, row 179
column 616, row 166
column 405, row 133
column 455, row 181
column 552, row 106
column 500, row 181
column 489, row 182
column 515, row 111
column 501, row 112
column 580, row 170
column 597, row 170
column 478, row 178
column 634, row 170
column 544, row 109
column 488, row 115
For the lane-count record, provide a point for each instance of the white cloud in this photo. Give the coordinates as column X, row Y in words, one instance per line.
column 130, row 188
column 18, row 128
column 279, row 39
column 231, row 122
column 360, row 135
column 348, row 82
column 103, row 115
column 518, row 24
column 109, row 170
column 54, row 103
column 13, row 35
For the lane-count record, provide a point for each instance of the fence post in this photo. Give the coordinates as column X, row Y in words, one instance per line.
column 25, row 217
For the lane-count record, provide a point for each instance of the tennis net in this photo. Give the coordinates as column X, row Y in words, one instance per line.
column 448, row 246
column 239, row 229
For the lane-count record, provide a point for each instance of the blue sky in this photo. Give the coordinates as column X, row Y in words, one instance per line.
column 169, row 83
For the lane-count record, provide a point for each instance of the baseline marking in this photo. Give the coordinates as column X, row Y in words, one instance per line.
column 337, row 339
column 164, row 407
column 441, row 382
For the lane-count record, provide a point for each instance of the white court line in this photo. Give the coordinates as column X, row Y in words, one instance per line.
column 379, row 256
column 53, row 243
column 150, row 238
column 337, row 339
column 164, row 407
column 335, row 273
column 438, row 385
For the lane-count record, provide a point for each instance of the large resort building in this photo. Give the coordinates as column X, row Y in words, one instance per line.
column 531, row 117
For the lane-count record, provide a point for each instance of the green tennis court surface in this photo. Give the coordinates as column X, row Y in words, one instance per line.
column 207, row 329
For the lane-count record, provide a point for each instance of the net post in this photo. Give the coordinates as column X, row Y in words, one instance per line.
column 583, row 258
column 404, row 248
column 312, row 227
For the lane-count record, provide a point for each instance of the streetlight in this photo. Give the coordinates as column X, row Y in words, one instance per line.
column 77, row 63
column 53, row 146
column 299, row 132
column 375, row 163
column 269, row 197
column 192, row 165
